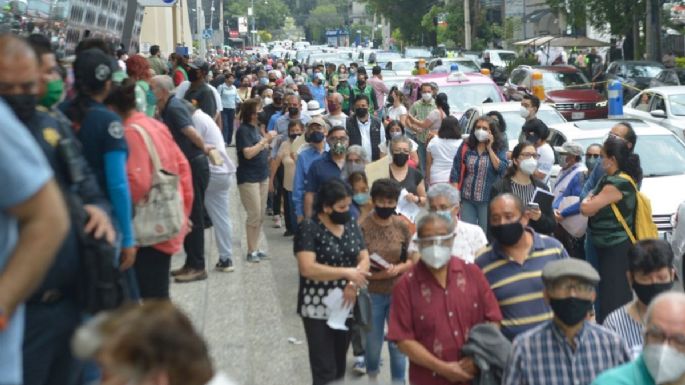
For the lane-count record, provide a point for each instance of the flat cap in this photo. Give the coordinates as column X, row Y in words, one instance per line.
column 570, row 148
column 570, row 267
column 317, row 120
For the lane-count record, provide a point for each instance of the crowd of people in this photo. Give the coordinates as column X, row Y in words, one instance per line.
column 506, row 274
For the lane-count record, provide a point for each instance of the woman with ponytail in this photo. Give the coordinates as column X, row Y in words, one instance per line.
column 435, row 117
column 609, row 237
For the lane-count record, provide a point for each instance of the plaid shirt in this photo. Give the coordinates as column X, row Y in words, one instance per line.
column 420, row 111
column 542, row 356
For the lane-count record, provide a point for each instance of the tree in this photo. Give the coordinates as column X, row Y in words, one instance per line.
column 320, row 19
column 270, row 15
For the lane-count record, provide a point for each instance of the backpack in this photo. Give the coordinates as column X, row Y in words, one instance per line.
column 644, row 223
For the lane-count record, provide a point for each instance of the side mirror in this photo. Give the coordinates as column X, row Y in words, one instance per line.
column 661, row 114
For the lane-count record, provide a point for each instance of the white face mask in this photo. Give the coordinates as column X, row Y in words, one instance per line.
column 436, row 256
column 523, row 111
column 268, row 101
column 528, row 166
column 481, row 135
column 427, row 97
column 664, row 363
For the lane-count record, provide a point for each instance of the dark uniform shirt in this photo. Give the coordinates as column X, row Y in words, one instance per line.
column 202, row 97
column 177, row 117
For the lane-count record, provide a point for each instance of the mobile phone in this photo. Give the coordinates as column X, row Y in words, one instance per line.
column 532, row 206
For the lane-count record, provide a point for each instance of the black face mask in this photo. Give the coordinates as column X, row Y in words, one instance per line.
column 192, row 75
column 315, row 137
column 361, row 112
column 400, row 159
column 340, row 218
column 507, row 234
column 24, row 106
column 571, row 311
column 532, row 138
column 293, row 111
column 361, row 85
column 293, row 136
column 384, row 212
column 646, row 293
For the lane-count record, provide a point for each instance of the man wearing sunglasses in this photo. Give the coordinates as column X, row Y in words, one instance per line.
column 663, row 358
column 435, row 304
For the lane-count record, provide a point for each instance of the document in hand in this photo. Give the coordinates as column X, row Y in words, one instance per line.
column 338, row 310
column 406, row 208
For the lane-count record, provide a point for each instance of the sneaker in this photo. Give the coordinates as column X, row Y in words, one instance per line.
column 269, row 211
column 277, row 222
column 261, row 255
column 288, row 233
column 182, row 270
column 191, row 276
column 253, row 257
column 359, row 367
column 225, row 266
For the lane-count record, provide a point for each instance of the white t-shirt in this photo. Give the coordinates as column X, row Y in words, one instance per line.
column 337, row 120
column 546, row 160
column 468, row 240
column 394, row 113
column 443, row 152
column 211, row 134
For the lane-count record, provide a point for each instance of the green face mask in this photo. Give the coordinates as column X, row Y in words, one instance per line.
column 53, row 94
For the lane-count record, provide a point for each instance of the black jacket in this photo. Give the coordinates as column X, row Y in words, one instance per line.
column 490, row 351
column 546, row 224
column 356, row 136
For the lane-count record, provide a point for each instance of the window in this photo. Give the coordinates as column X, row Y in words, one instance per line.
column 517, row 77
column 658, row 103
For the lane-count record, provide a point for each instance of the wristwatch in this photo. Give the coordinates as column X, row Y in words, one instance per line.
column 4, row 319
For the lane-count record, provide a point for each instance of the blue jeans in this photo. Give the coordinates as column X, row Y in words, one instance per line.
column 475, row 213
column 592, row 258
column 227, row 117
column 380, row 311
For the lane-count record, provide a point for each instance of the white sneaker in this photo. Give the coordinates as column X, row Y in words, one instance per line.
column 277, row 222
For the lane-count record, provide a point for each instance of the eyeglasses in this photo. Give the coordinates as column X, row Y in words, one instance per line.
column 528, row 155
column 338, row 139
column 441, row 240
column 658, row 336
column 595, row 156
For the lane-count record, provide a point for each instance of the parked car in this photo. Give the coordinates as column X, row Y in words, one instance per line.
column 565, row 86
column 669, row 77
column 417, row 53
column 465, row 64
column 661, row 105
column 512, row 118
column 499, row 57
column 464, row 90
column 662, row 157
column 380, row 58
column 402, row 67
column 678, row 241
column 635, row 74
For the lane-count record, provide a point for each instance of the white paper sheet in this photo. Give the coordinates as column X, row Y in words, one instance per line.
column 406, row 208
column 338, row 310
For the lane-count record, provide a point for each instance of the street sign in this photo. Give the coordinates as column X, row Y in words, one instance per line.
column 242, row 24
column 207, row 34
column 157, row 3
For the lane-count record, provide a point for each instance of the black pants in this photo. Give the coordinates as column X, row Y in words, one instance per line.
column 47, row 343
column 574, row 246
column 194, row 243
column 327, row 351
column 613, row 286
column 289, row 212
column 152, row 272
column 279, row 191
column 227, row 117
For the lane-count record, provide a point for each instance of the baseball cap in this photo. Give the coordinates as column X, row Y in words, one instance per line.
column 317, row 120
column 199, row 64
column 93, row 68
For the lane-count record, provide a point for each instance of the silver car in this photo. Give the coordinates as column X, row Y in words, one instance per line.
column 664, row 106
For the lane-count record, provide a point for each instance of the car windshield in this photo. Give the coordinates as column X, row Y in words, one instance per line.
column 677, row 104
column 515, row 122
column 402, row 66
column 465, row 65
column 387, row 56
column 463, row 97
column 660, row 155
column 507, row 56
column 643, row 71
column 417, row 52
column 563, row 80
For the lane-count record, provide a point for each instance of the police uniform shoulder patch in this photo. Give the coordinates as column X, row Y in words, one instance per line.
column 116, row 130
column 51, row 136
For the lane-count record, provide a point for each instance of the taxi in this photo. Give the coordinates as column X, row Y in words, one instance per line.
column 463, row 90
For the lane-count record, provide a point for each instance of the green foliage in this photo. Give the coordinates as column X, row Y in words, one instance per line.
column 265, row 36
column 320, row 19
column 522, row 60
column 680, row 62
column 269, row 15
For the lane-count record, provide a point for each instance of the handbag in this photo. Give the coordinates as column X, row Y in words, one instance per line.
column 362, row 310
column 463, row 166
column 576, row 225
column 159, row 215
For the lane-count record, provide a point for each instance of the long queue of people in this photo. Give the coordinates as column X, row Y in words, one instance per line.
column 477, row 287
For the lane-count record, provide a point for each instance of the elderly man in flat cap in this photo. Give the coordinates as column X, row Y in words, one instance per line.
column 570, row 349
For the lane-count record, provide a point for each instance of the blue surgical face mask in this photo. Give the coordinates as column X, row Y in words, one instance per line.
column 447, row 214
column 361, row 198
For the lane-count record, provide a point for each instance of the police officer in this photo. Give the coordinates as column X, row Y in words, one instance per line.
column 102, row 135
column 52, row 312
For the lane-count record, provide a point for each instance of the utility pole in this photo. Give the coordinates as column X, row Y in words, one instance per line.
column 252, row 32
column 653, row 30
column 467, row 25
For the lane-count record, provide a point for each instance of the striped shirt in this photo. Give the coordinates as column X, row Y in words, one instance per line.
column 523, row 191
column 620, row 322
column 518, row 286
column 543, row 356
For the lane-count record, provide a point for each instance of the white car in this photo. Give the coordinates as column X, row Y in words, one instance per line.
column 500, row 57
column 510, row 113
column 664, row 106
column 465, row 64
column 678, row 241
column 402, row 67
column 662, row 157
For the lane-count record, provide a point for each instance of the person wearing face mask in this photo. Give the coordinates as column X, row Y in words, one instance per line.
column 229, row 101
column 443, row 199
column 396, row 109
column 434, row 119
column 315, row 135
column 435, row 304
column 386, row 235
column 200, row 93
column 519, row 181
column 364, row 129
column 565, row 348
column 336, row 116
column 293, row 104
column 441, row 151
column 420, row 111
column 662, row 361
column 317, row 88
column 331, row 254
column 616, row 192
column 571, row 224
column 395, row 128
column 409, row 178
column 530, row 104
column 362, row 205
column 272, row 104
column 536, row 132
column 286, row 157
column 516, row 247
column 344, row 88
column 328, row 167
column 364, row 88
column 651, row 273
column 245, row 89
column 51, row 86
column 353, row 70
column 355, row 160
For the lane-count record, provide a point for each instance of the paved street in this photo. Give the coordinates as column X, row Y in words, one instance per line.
column 248, row 316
